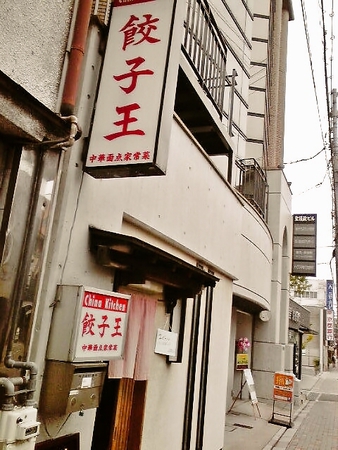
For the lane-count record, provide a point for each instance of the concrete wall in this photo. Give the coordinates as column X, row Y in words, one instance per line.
column 33, row 38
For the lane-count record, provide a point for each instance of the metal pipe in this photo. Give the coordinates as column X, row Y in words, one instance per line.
column 74, row 134
column 33, row 372
column 8, row 403
column 17, row 295
column 76, row 55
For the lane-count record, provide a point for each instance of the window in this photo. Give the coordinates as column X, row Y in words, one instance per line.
column 26, row 188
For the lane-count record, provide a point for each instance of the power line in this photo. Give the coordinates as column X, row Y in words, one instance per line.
column 305, row 22
column 306, row 159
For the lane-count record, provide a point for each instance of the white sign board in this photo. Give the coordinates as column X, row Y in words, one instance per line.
column 166, row 342
column 102, row 325
column 133, row 117
column 251, row 385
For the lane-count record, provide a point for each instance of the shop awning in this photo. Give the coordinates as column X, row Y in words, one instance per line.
column 138, row 261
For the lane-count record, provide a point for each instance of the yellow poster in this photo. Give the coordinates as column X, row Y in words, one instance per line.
column 242, row 361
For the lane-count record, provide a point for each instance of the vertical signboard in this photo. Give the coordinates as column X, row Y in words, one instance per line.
column 329, row 325
column 304, row 245
column 134, row 109
column 329, row 294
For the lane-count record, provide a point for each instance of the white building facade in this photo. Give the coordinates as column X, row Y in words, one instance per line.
column 317, row 348
column 188, row 222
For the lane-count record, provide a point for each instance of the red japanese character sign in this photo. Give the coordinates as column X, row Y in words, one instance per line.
column 132, row 106
column 329, row 325
column 102, row 327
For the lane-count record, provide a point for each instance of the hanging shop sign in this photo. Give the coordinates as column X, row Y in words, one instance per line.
column 88, row 324
column 329, row 294
column 135, row 105
column 283, row 387
column 329, row 325
column 304, row 244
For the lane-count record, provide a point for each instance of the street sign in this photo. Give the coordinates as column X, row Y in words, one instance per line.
column 283, row 387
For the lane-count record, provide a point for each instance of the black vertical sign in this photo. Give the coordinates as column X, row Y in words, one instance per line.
column 304, row 245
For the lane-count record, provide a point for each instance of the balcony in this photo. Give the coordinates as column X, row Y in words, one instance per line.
column 204, row 48
column 202, row 81
column 253, row 185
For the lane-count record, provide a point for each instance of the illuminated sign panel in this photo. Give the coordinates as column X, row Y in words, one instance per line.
column 88, row 324
column 102, row 325
column 304, row 244
column 135, row 105
column 329, row 294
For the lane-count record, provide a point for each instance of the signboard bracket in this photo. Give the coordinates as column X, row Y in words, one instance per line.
column 283, row 393
column 275, row 421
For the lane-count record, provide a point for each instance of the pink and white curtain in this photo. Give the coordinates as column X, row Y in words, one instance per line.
column 139, row 344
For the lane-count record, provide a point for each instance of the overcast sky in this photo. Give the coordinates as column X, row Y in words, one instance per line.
column 306, row 129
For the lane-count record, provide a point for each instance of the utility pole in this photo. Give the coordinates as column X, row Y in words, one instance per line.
column 334, row 158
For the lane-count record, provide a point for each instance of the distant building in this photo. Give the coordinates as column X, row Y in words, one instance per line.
column 316, row 347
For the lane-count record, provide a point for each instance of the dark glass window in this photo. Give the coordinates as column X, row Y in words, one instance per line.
column 27, row 181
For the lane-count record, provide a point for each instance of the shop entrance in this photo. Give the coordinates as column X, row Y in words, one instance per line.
column 119, row 418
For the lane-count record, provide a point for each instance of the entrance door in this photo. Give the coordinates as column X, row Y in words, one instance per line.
column 119, row 418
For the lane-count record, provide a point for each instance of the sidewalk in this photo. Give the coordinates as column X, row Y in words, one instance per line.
column 245, row 428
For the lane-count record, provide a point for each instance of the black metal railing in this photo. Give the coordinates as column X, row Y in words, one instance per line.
column 253, row 184
column 205, row 50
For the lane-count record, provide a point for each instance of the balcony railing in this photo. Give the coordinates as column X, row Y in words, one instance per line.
column 205, row 50
column 253, row 185
column 101, row 9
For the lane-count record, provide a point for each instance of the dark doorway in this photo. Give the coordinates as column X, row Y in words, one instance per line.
column 119, row 418
column 69, row 442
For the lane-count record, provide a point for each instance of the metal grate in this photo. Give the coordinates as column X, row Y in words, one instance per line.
column 205, row 50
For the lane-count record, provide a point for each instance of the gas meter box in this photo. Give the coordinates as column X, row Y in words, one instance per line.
column 88, row 324
column 19, row 428
column 70, row 387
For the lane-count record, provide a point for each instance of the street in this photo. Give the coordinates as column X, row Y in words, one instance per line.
column 316, row 428
column 315, row 424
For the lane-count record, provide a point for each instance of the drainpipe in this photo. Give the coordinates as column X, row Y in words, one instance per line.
column 76, row 55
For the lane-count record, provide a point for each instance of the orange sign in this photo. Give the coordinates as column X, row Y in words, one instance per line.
column 283, row 387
